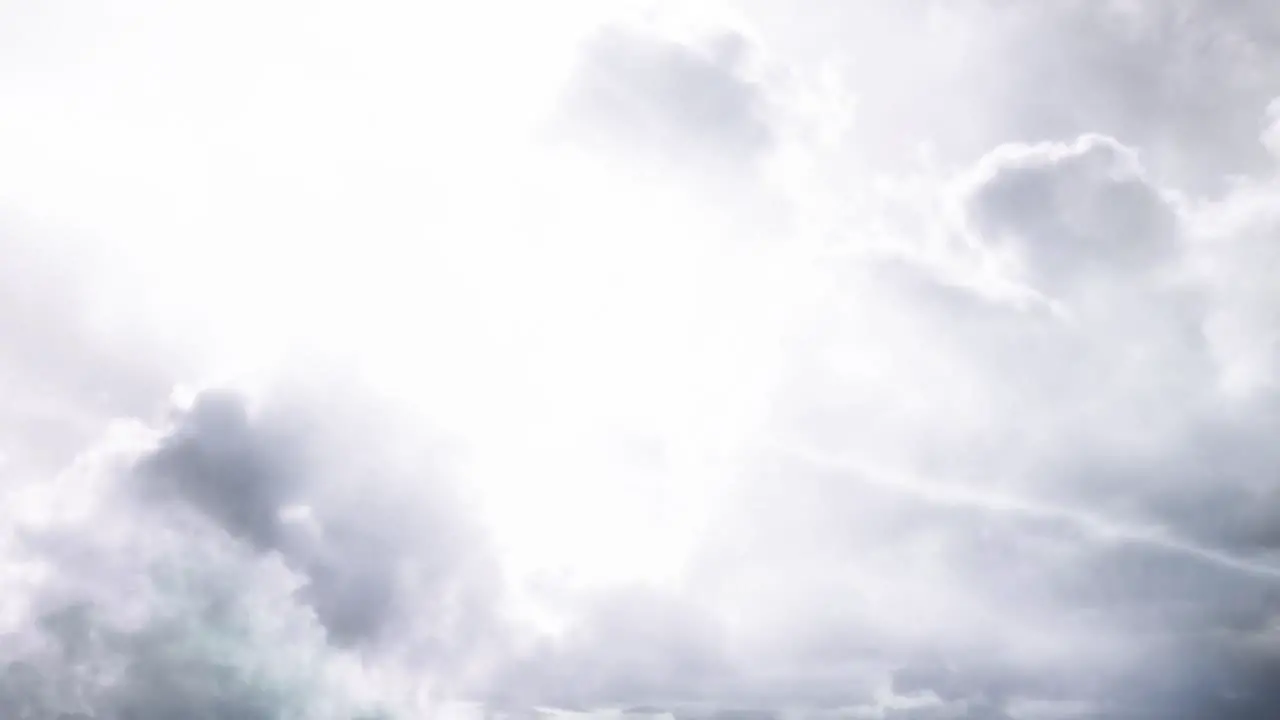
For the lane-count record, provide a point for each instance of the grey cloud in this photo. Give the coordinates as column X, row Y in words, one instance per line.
column 742, row 715
column 216, row 461
column 150, row 617
column 1076, row 210
column 1211, row 482
column 1208, row 474
column 69, row 361
column 1078, row 514
column 1033, row 511
column 661, row 651
column 1233, row 253
column 1185, row 80
column 626, row 645
column 194, row 657
column 388, row 550
column 656, row 98
column 1129, row 623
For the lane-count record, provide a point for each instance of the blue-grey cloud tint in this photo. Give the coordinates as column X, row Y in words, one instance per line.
column 379, row 535
column 657, row 99
column 1018, row 462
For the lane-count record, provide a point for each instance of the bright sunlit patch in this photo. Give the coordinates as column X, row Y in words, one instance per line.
column 603, row 352
column 600, row 341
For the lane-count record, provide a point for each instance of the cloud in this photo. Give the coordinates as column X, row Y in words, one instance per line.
column 624, row 646
column 290, row 556
column 972, row 506
column 1073, row 211
column 115, row 611
column 1231, row 254
column 659, row 98
column 76, row 354
column 1057, row 503
column 1152, row 73
column 366, row 515
column 1017, row 460
column 1183, row 80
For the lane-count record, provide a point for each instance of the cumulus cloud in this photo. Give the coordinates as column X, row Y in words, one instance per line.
column 367, row 516
column 1072, row 211
column 1090, row 468
column 115, row 611
column 1017, row 449
column 974, row 506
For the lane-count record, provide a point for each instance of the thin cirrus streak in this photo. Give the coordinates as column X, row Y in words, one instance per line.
column 962, row 494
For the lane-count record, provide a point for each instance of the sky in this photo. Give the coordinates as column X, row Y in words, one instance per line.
column 639, row 360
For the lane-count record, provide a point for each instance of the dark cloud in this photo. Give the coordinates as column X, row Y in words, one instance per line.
column 204, row 655
column 217, row 461
column 382, row 539
column 146, row 616
column 185, row 582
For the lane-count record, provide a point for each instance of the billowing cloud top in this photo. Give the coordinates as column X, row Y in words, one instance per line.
column 903, row 360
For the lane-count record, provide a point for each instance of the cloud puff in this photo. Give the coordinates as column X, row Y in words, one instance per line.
column 367, row 516
column 114, row 611
column 1068, row 212
column 660, row 98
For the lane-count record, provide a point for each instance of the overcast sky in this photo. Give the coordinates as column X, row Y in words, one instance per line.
column 880, row 359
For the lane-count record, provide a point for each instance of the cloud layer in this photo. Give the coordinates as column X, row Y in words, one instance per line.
column 936, row 369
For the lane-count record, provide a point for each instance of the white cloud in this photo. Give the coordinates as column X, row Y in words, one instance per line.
column 662, row 98
column 904, row 360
